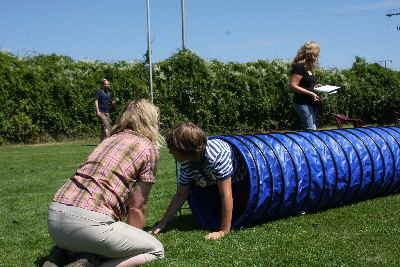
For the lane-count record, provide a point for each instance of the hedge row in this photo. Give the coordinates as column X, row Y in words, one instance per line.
column 48, row 96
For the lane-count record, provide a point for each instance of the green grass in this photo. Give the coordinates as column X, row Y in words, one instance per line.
column 362, row 234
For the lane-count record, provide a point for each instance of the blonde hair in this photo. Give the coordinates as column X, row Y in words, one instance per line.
column 142, row 117
column 307, row 55
column 187, row 138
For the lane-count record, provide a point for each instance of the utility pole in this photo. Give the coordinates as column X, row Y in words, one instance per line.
column 183, row 23
column 149, row 51
column 393, row 12
column 384, row 61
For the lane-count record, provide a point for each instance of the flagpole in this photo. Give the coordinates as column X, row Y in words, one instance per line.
column 183, row 23
column 149, row 51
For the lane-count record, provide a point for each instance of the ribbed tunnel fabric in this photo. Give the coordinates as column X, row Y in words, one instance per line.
column 295, row 172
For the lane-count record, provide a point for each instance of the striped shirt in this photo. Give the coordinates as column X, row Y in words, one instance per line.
column 103, row 182
column 217, row 164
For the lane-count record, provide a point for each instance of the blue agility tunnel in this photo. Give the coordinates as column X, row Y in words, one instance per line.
column 290, row 173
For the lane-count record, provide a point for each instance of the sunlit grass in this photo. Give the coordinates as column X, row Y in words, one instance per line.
column 362, row 234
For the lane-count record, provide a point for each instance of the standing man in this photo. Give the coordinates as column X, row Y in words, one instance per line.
column 103, row 104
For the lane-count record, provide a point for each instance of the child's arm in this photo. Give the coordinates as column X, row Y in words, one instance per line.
column 225, row 192
column 176, row 203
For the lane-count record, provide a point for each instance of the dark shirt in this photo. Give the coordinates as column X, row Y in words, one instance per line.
column 307, row 82
column 104, row 98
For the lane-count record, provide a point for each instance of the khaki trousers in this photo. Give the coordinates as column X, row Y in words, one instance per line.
column 81, row 230
column 105, row 124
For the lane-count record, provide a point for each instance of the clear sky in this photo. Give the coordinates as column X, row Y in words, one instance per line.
column 226, row 30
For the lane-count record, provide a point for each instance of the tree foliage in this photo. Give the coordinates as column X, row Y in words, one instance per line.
column 48, row 96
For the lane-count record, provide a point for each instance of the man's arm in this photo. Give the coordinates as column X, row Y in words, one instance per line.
column 225, row 193
column 96, row 102
column 176, row 203
column 137, row 204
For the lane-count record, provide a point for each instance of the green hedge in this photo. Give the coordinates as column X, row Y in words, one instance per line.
column 52, row 96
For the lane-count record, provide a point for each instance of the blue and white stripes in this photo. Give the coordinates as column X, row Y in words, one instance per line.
column 217, row 164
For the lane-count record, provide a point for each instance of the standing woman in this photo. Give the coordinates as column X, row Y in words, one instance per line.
column 114, row 183
column 302, row 82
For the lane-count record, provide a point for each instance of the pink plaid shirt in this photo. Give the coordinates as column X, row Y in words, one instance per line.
column 103, row 182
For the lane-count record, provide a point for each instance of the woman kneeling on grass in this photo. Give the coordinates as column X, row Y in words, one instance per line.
column 113, row 183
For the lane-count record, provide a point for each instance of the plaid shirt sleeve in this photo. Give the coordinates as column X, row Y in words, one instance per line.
column 147, row 170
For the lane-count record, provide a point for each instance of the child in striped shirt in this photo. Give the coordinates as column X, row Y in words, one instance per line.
column 201, row 162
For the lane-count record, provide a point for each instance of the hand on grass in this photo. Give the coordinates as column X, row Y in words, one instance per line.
column 215, row 235
column 157, row 229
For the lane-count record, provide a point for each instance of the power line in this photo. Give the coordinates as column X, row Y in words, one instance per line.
column 393, row 12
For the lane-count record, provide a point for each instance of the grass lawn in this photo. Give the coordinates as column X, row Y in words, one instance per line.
column 362, row 234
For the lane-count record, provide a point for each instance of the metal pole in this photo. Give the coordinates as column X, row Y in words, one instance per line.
column 385, row 62
column 393, row 14
column 183, row 23
column 149, row 51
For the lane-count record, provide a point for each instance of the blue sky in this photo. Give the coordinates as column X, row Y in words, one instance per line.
column 233, row 30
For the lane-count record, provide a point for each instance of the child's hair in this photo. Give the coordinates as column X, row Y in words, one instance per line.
column 308, row 55
column 140, row 116
column 187, row 138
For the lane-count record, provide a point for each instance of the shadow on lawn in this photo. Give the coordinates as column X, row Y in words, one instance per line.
column 40, row 261
column 184, row 222
column 58, row 257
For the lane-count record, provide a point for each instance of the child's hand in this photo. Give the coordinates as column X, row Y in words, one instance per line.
column 215, row 235
column 157, row 229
